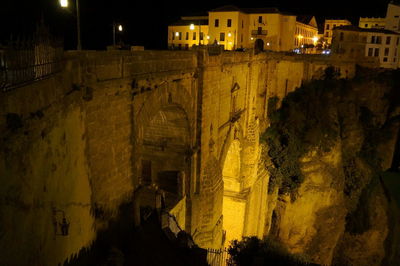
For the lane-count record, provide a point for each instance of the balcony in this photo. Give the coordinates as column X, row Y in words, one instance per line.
column 259, row 32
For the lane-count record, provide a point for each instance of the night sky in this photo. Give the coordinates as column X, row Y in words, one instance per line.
column 145, row 22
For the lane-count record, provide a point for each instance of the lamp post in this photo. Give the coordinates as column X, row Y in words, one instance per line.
column 115, row 27
column 64, row 4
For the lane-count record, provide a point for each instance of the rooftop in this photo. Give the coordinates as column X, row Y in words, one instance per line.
column 263, row 10
column 358, row 29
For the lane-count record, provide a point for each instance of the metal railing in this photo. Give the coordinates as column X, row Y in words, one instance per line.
column 28, row 60
column 218, row 257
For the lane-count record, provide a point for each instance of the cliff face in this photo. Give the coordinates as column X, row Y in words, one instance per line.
column 328, row 146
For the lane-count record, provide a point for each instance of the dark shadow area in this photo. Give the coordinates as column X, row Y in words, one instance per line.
column 122, row 244
column 253, row 251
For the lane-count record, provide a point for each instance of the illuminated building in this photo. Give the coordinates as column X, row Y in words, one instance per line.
column 374, row 23
column 238, row 28
column 187, row 32
column 306, row 32
column 357, row 43
column 330, row 24
column 393, row 17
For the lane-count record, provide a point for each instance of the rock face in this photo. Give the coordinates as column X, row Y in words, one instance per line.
column 328, row 145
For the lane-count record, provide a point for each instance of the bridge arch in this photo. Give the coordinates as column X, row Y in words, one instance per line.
column 163, row 139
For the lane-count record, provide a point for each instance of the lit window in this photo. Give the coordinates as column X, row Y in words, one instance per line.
column 176, row 34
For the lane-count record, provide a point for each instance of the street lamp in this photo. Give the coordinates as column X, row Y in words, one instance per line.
column 64, row 4
column 114, row 30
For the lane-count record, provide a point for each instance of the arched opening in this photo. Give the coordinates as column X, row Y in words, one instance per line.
column 234, row 204
column 164, row 161
column 259, row 45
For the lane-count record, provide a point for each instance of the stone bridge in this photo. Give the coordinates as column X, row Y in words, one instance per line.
column 79, row 143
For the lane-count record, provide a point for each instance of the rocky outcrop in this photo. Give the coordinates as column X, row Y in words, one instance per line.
column 328, row 146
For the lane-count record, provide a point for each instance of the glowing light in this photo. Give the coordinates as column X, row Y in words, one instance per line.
column 191, row 26
column 64, row 3
column 176, row 34
column 119, row 27
column 300, row 36
column 268, row 43
column 229, row 34
column 302, row 46
column 251, row 38
column 208, row 37
column 217, row 42
column 315, row 39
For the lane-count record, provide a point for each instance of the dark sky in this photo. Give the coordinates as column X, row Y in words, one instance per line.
column 145, row 22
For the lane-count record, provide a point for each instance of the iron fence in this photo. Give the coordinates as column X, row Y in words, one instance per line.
column 26, row 60
column 218, row 257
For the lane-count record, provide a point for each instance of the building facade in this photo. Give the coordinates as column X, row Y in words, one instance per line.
column 306, row 33
column 330, row 24
column 357, row 43
column 372, row 23
column 242, row 28
column 393, row 16
column 187, row 32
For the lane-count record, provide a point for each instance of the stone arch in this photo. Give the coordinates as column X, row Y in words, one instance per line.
column 162, row 141
column 168, row 94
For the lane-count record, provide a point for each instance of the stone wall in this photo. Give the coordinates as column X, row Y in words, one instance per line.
column 73, row 144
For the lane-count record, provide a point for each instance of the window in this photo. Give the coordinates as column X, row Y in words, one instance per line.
column 388, row 39
column 341, row 38
column 386, row 51
column 187, row 35
column 229, row 23
column 259, row 30
column 366, row 25
column 194, row 35
column 372, row 39
column 378, row 39
column 222, row 36
column 370, row 51
column 334, row 26
column 376, row 52
column 173, row 35
column 201, row 36
column 327, row 26
column 396, row 16
column 385, row 59
column 180, row 35
column 259, row 19
column 398, row 40
column 216, row 23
